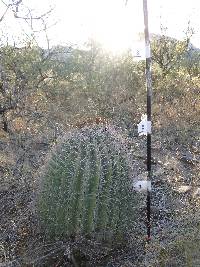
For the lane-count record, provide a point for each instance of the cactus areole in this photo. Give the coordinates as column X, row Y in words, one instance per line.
column 85, row 187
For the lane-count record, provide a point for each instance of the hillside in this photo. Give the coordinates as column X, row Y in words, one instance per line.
column 46, row 94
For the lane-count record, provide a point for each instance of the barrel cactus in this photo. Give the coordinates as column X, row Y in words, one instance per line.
column 85, row 187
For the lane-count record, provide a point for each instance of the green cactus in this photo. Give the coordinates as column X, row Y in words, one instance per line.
column 86, row 186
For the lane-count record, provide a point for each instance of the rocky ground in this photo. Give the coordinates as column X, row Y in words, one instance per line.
column 175, row 210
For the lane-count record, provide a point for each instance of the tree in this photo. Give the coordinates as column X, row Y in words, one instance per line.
column 192, row 62
column 168, row 53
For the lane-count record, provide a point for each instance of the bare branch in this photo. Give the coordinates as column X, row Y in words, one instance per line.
column 2, row 17
column 33, row 18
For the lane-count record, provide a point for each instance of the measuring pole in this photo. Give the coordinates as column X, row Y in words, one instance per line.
column 149, row 97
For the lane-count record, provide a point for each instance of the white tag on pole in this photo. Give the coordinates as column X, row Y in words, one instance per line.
column 138, row 50
column 142, row 186
column 144, row 127
column 141, row 50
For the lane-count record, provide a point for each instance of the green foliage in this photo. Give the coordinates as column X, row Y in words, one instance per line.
column 86, row 185
column 191, row 62
column 168, row 53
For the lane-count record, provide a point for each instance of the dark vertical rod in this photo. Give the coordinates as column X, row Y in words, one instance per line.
column 149, row 96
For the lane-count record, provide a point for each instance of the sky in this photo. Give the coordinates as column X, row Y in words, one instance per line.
column 113, row 23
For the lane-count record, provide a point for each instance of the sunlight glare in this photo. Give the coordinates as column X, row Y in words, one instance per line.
column 117, row 27
column 111, row 23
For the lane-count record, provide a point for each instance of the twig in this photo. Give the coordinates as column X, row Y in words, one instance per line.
column 4, row 13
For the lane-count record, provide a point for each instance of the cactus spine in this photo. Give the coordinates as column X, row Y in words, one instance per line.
column 86, row 185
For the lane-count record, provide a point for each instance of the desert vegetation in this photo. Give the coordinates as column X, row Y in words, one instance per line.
column 70, row 153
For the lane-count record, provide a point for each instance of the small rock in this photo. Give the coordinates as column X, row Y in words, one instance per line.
column 183, row 188
column 193, row 190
